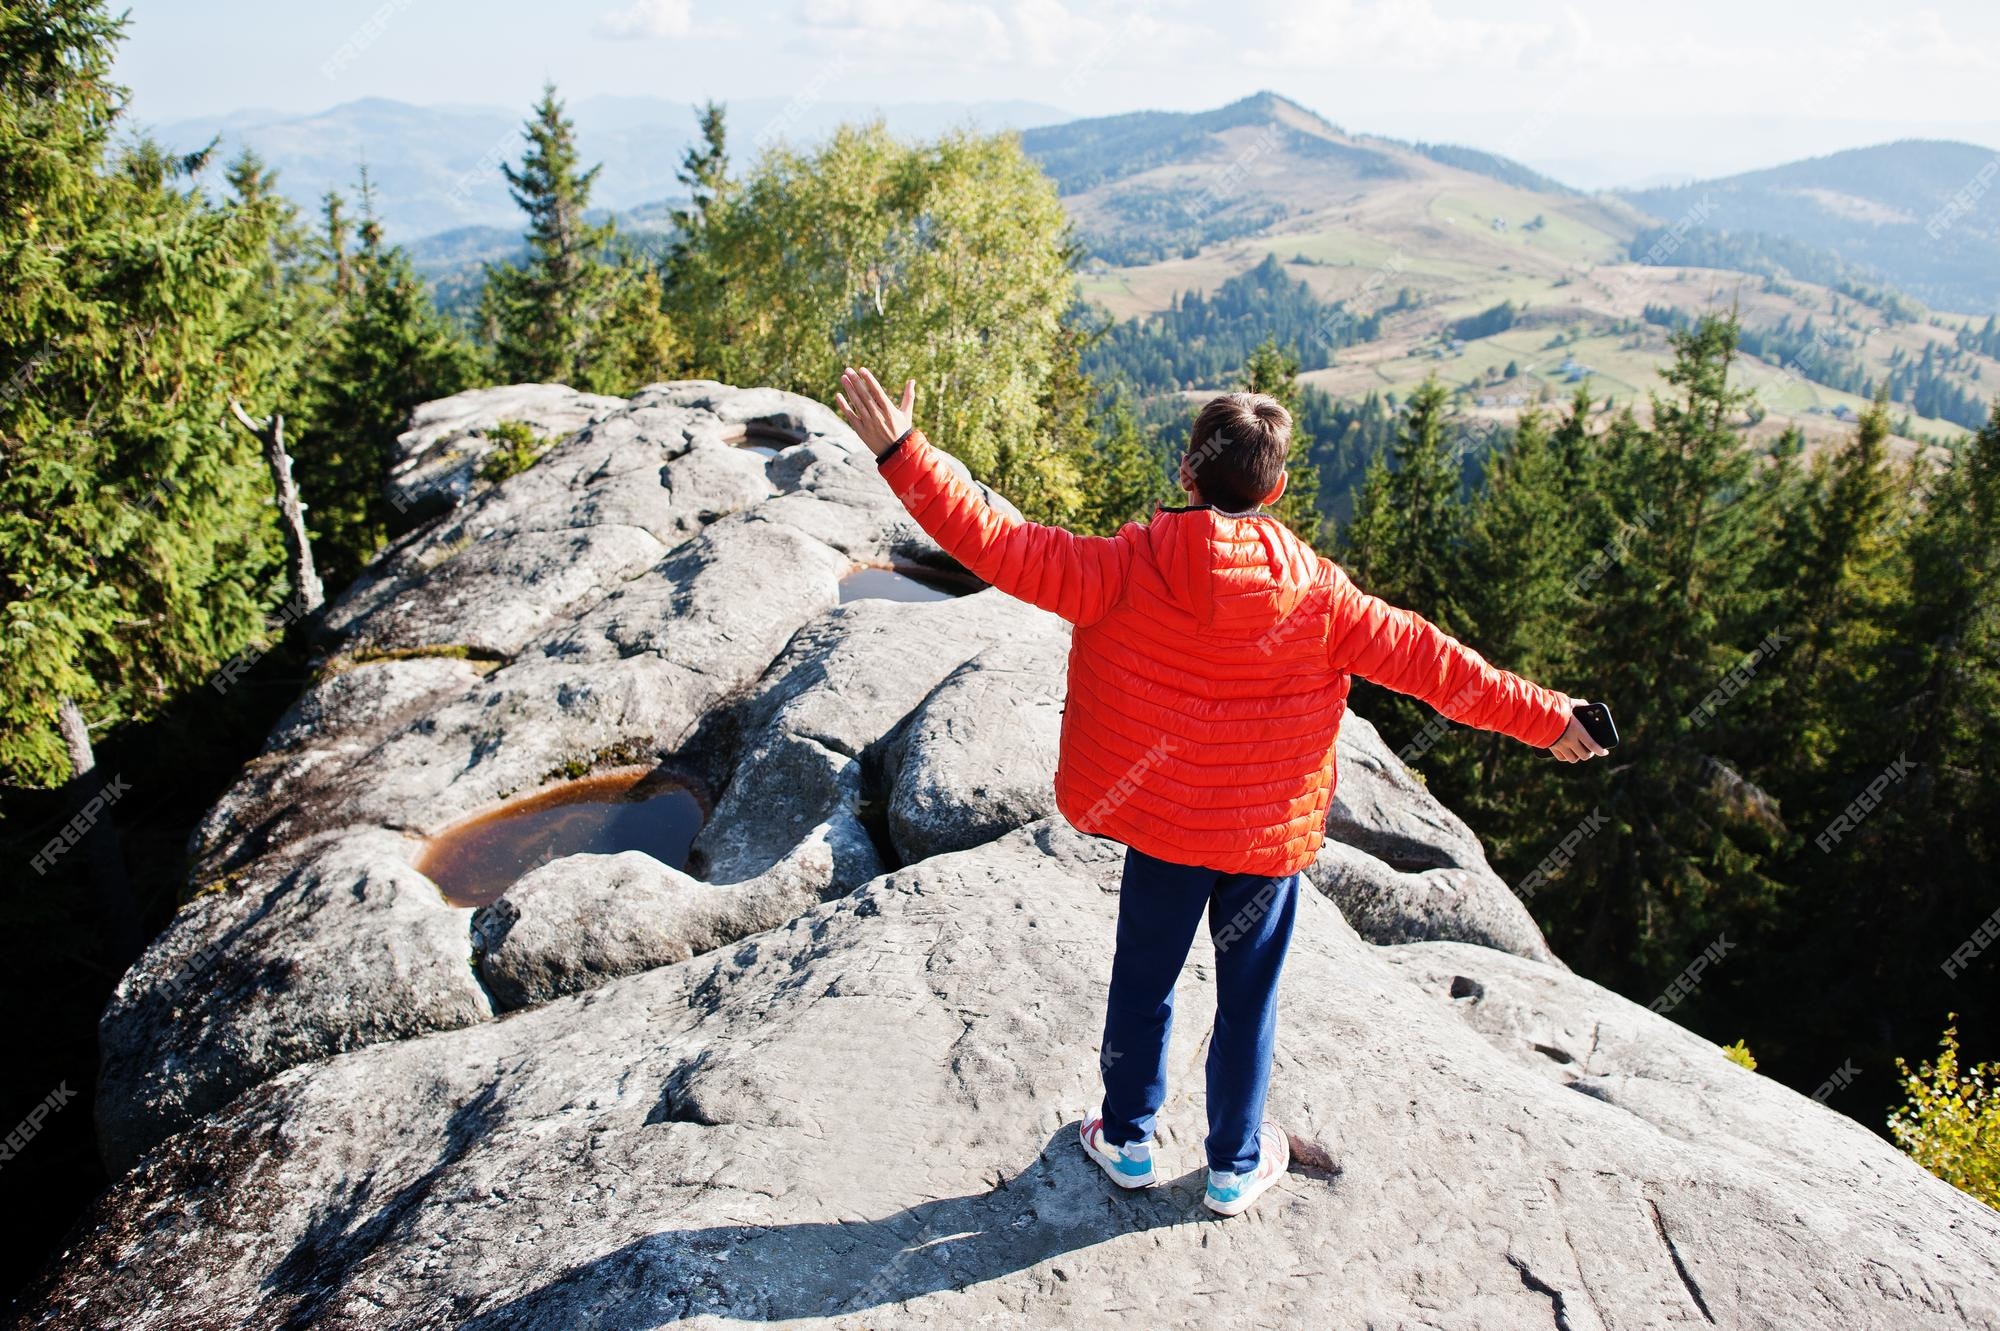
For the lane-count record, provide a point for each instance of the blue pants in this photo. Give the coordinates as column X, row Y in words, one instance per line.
column 1250, row 919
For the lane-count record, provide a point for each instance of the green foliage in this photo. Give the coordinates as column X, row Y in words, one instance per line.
column 1274, row 371
column 945, row 262
column 1739, row 1054
column 137, row 544
column 1402, row 543
column 516, row 446
column 388, row 351
column 1487, row 322
column 1950, row 1120
column 1201, row 340
column 580, row 311
column 1131, row 475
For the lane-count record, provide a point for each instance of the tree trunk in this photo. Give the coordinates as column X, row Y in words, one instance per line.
column 307, row 593
column 117, row 909
column 76, row 738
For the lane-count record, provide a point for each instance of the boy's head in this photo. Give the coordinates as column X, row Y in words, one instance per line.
column 1235, row 458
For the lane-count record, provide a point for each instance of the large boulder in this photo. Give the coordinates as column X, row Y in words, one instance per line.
column 978, row 759
column 1403, row 868
column 867, row 1117
column 832, row 1071
column 578, row 921
column 334, row 943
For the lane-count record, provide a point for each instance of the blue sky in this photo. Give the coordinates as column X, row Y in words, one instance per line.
column 1702, row 81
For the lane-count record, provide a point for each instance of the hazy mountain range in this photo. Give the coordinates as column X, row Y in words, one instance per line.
column 436, row 168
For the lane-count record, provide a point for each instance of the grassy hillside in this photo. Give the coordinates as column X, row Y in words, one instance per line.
column 1425, row 246
column 1922, row 215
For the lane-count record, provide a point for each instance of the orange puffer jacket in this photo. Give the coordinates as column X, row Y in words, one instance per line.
column 1208, row 670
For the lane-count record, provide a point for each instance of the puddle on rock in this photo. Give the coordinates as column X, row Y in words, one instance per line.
column 763, row 438
column 906, row 582
column 634, row 808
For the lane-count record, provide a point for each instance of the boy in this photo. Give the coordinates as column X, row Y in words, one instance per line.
column 1207, row 677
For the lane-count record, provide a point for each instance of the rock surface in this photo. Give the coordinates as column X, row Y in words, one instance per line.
column 580, row 920
column 833, row 1072
column 866, row 1118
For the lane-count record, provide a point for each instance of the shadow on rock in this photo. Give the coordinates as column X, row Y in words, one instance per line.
column 340, row 1239
column 1058, row 1204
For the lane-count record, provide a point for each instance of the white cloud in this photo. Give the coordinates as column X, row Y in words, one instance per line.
column 1037, row 34
column 648, row 18
column 1395, row 34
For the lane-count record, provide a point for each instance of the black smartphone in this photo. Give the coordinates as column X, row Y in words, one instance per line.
column 1596, row 718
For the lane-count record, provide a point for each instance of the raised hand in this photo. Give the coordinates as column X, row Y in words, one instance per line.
column 865, row 406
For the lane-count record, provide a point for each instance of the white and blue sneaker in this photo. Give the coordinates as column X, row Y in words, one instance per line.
column 1129, row 1166
column 1231, row 1194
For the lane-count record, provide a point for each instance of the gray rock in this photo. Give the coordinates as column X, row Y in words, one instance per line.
column 1381, row 808
column 785, row 786
column 978, row 759
column 867, row 1117
column 842, row 687
column 437, row 460
column 1389, row 905
column 1403, row 868
column 336, row 944
column 578, row 921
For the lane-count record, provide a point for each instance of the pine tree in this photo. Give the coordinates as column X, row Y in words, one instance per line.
column 1274, row 371
column 1130, row 480
column 578, row 312
column 1678, row 624
column 390, row 352
column 1527, row 572
column 1404, row 542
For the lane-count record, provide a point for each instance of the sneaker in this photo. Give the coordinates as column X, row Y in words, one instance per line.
column 1130, row 1165
column 1231, row 1194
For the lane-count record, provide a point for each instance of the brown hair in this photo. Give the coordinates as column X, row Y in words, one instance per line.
column 1237, row 451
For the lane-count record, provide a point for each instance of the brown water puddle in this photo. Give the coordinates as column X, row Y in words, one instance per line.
column 763, row 439
column 633, row 808
column 906, row 582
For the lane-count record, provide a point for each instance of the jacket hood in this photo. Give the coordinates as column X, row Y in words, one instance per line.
column 1235, row 573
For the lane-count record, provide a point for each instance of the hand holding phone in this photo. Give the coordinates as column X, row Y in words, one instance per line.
column 1591, row 733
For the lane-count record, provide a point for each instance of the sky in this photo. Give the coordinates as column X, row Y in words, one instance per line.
column 1599, row 94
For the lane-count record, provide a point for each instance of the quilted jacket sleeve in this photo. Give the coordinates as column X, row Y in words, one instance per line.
column 1077, row 577
column 1401, row 650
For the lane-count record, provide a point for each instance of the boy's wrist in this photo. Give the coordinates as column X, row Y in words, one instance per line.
column 898, row 442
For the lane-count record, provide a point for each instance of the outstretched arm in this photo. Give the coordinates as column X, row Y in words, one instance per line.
column 1077, row 577
column 1401, row 650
